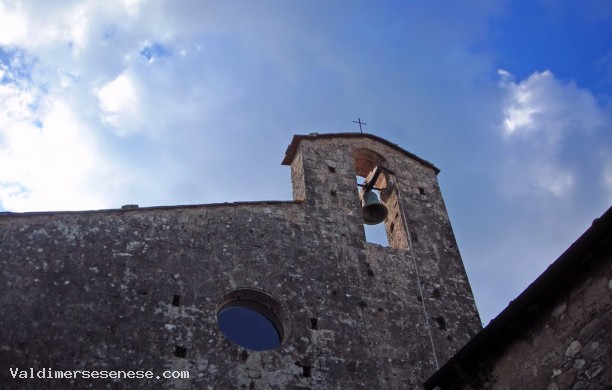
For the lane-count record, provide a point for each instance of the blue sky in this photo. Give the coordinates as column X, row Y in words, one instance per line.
column 105, row 103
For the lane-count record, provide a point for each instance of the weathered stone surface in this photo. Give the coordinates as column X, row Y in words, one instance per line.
column 560, row 309
column 555, row 335
column 579, row 364
column 573, row 348
column 139, row 288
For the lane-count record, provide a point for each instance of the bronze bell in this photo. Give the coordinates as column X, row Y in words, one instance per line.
column 374, row 211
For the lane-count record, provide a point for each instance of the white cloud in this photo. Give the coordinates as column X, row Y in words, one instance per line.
column 52, row 167
column 13, row 24
column 43, row 24
column 536, row 177
column 540, row 114
column 545, row 104
column 49, row 156
column 119, row 103
column 555, row 181
column 16, row 103
column 76, row 28
column 132, row 6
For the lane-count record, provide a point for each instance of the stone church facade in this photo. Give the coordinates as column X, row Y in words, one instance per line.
column 143, row 288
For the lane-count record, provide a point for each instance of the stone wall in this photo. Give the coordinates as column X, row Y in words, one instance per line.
column 139, row 289
column 416, row 205
column 568, row 347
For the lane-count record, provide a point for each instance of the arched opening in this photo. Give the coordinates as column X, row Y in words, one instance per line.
column 366, row 162
column 371, row 167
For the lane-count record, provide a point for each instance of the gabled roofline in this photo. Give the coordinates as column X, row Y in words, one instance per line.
column 295, row 142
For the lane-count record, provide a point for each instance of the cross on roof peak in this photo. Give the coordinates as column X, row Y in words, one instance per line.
column 360, row 123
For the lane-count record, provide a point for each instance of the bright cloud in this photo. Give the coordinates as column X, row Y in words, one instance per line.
column 35, row 25
column 539, row 114
column 13, row 24
column 76, row 28
column 119, row 103
column 543, row 103
column 51, row 166
column 48, row 155
column 16, row 103
column 132, row 6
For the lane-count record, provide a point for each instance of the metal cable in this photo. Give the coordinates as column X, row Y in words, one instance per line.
column 416, row 270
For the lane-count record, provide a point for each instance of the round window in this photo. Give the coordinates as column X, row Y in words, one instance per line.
column 252, row 319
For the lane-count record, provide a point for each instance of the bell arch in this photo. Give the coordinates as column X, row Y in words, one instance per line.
column 369, row 166
column 366, row 161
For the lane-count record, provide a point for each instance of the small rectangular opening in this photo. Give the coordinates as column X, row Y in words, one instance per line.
column 421, row 190
column 306, row 371
column 180, row 352
column 333, row 193
column 332, row 169
column 176, row 300
column 314, row 323
column 376, row 234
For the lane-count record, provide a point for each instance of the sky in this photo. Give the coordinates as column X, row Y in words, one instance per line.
column 111, row 102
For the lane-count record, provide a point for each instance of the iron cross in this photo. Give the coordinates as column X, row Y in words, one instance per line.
column 360, row 123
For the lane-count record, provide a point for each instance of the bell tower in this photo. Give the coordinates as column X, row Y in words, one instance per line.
column 422, row 257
